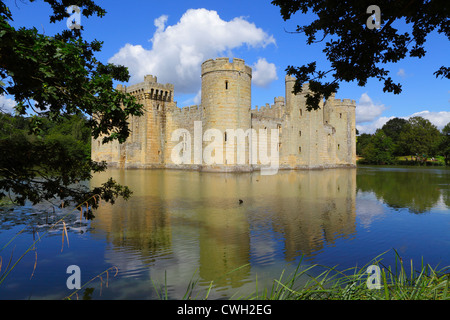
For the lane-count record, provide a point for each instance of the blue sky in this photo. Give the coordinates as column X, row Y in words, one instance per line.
column 171, row 38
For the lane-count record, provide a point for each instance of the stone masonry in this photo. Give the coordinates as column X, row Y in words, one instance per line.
column 323, row 138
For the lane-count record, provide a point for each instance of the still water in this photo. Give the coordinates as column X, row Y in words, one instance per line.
column 182, row 225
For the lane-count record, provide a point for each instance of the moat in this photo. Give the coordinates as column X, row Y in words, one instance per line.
column 181, row 225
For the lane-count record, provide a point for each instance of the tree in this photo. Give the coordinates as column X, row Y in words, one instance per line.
column 362, row 141
column 380, row 149
column 357, row 52
column 420, row 138
column 393, row 128
column 444, row 146
column 46, row 159
column 55, row 78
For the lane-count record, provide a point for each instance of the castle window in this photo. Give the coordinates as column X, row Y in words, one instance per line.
column 225, row 136
column 301, row 112
column 299, row 133
column 226, row 85
column 299, row 149
column 339, row 146
column 340, row 115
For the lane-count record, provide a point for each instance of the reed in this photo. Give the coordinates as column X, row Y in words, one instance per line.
column 397, row 283
column 11, row 265
column 100, row 277
column 317, row 282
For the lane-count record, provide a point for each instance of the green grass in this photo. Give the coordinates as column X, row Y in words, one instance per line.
column 397, row 283
column 315, row 282
column 410, row 161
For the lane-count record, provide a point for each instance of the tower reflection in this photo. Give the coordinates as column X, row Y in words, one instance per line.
column 223, row 224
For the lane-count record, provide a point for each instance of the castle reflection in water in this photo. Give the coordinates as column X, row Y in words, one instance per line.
column 179, row 218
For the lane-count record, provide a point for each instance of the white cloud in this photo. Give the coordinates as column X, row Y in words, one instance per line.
column 367, row 110
column 178, row 50
column 263, row 73
column 198, row 97
column 371, row 127
column 439, row 119
column 401, row 73
column 193, row 99
column 6, row 104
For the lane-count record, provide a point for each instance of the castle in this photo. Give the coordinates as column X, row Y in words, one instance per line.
column 301, row 139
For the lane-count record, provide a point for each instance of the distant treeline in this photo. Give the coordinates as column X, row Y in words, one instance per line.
column 415, row 141
column 72, row 132
column 35, row 137
column 38, row 155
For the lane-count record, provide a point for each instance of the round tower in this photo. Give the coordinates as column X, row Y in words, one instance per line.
column 290, row 97
column 226, row 98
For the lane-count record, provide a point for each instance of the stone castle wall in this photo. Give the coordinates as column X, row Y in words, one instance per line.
column 306, row 139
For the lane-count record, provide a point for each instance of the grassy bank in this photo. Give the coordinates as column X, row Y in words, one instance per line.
column 409, row 161
column 398, row 282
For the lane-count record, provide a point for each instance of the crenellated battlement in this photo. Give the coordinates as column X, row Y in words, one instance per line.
column 290, row 80
column 186, row 111
column 332, row 101
column 224, row 64
column 150, row 79
column 317, row 139
column 275, row 110
column 190, row 109
column 150, row 89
